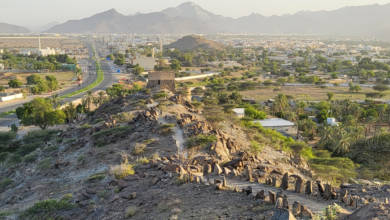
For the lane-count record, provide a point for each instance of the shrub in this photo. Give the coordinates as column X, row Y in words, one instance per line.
column 131, row 211
column 142, row 160
column 29, row 158
column 160, row 95
column 47, row 209
column 253, row 113
column 201, row 141
column 255, row 147
column 5, row 183
column 336, row 169
column 121, row 171
column 139, row 148
column 45, row 164
column 110, row 135
column 166, row 129
column 96, row 177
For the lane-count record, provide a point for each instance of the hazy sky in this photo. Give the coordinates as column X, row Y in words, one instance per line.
column 40, row 12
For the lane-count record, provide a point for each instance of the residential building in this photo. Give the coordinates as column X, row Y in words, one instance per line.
column 240, row 112
column 161, row 80
column 283, row 126
column 8, row 97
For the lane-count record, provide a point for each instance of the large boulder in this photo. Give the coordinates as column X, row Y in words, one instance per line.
column 282, row 214
column 375, row 211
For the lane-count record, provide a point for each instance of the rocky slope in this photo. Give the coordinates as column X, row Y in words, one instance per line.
column 133, row 158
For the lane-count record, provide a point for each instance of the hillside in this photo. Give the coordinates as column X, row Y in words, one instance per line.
column 12, row 29
column 143, row 156
column 193, row 42
column 191, row 18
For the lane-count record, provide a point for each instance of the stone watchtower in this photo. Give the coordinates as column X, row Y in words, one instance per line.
column 161, row 80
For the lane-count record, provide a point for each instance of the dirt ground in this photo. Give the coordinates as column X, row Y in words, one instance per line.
column 310, row 93
column 64, row 78
column 32, row 41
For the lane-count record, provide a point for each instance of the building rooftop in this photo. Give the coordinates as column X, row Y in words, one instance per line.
column 239, row 110
column 274, row 122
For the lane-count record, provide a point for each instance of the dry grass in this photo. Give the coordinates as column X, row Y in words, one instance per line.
column 123, row 170
column 32, row 42
column 139, row 148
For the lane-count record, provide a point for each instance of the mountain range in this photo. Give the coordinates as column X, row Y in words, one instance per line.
column 189, row 18
column 9, row 28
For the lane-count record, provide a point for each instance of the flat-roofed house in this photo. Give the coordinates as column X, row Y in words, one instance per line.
column 240, row 112
column 285, row 127
column 161, row 80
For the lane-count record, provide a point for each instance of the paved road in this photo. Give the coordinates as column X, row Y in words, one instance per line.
column 89, row 77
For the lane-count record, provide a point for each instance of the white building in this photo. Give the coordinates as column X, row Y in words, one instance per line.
column 240, row 112
column 8, row 97
column 283, row 126
column 1, row 67
column 332, row 122
column 147, row 63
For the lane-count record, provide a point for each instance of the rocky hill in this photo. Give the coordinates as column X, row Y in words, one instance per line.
column 363, row 21
column 145, row 156
column 12, row 29
column 193, row 42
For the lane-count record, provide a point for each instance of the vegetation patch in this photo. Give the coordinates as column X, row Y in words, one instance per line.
column 123, row 170
column 5, row 183
column 96, row 177
column 110, row 135
column 201, row 140
column 47, row 209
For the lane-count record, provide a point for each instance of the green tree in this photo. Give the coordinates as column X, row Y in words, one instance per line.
column 330, row 96
column 40, row 112
column 52, row 83
column 175, row 65
column 137, row 70
column 33, row 79
column 14, row 83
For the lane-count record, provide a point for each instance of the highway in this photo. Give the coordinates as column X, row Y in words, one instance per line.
column 88, row 76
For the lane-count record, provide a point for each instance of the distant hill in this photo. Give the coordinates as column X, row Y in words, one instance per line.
column 189, row 18
column 193, row 42
column 12, row 29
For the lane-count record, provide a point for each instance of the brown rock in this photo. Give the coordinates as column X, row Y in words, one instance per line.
column 309, row 187
column 321, row 188
column 226, row 171
column 248, row 190
column 217, row 169
column 296, row 209
column 279, row 203
column 260, row 195
column 306, row 213
column 274, row 181
column 272, row 197
column 284, row 184
column 299, row 184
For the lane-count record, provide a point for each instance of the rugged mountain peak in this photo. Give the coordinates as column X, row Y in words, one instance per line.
column 189, row 10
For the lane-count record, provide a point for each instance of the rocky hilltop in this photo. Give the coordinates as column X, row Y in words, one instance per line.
column 194, row 42
column 145, row 156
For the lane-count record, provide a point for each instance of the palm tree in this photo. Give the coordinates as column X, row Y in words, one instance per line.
column 87, row 101
column 343, row 144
